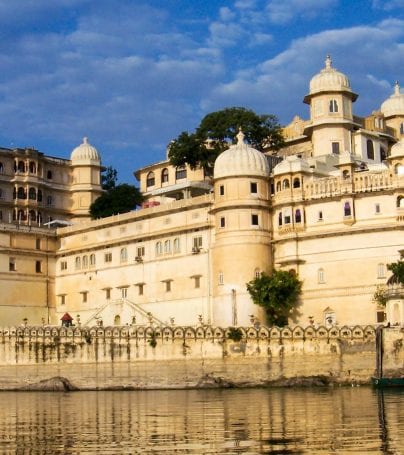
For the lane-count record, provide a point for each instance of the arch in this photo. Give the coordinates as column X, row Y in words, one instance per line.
column 296, row 182
column 85, row 262
column 370, row 151
column 117, row 319
column 21, row 215
column 21, row 194
column 123, row 255
column 32, row 193
column 49, row 175
column 278, row 186
column 32, row 215
column 345, row 174
column 285, row 184
column 32, row 167
column 159, row 248
column 164, row 175
column 77, row 263
column 167, row 247
column 347, row 209
column 400, row 201
column 92, row 260
column 298, row 216
column 177, row 245
column 39, row 195
column 21, row 166
column 150, row 179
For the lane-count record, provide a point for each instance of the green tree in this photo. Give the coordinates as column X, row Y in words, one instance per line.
column 398, row 272
column 220, row 128
column 109, row 178
column 121, row 198
column 277, row 294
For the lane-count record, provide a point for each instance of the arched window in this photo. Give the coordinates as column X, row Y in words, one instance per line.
column 296, row 182
column 180, row 173
column 85, row 262
column 32, row 216
column 32, row 194
column 177, row 245
column 150, row 179
column 124, row 255
column 1, row 168
column 77, row 263
column 49, row 175
column 347, row 209
column 159, row 249
column 333, row 106
column 345, row 174
column 167, row 247
column 21, row 194
column 21, row 215
column 278, row 186
column 32, row 167
column 117, row 320
column 320, row 276
column 49, row 200
column 400, row 202
column 21, row 166
column 164, row 175
column 14, row 193
column 370, row 149
column 92, row 260
column 285, row 184
column 39, row 196
column 280, row 219
column 298, row 216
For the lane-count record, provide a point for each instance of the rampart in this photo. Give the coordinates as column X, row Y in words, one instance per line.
column 180, row 357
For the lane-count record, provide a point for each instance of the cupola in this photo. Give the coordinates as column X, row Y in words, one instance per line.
column 394, row 105
column 85, row 152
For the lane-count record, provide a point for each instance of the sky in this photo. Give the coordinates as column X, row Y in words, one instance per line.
column 131, row 75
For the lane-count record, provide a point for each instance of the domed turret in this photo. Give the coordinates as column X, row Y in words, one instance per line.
column 397, row 151
column 291, row 164
column 394, row 105
column 241, row 159
column 85, row 152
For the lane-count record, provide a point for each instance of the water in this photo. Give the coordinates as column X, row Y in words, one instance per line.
column 250, row 421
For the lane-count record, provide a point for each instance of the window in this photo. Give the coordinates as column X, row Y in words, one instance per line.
column 257, row 273
column 32, row 167
column 400, row 202
column 12, row 265
column 180, row 173
column 1, row 168
column 335, row 148
column 254, row 219
column 84, row 262
column 150, row 179
column 164, row 175
column 63, row 265
column 345, row 174
column 124, row 292
column 253, row 187
column 21, row 194
column 32, row 194
column 377, row 208
column 140, row 251
column 108, row 257
column 333, row 106
column 117, row 319
column 159, row 248
column 402, row 128
column 21, row 166
column 370, row 150
column 84, row 296
column 278, row 186
column 38, row 244
column 49, row 175
column 38, row 266
column 167, row 247
column 197, row 242
column 140, row 288
column 62, row 299
column 49, row 201
column 280, row 219
column 197, row 281
column 221, row 190
column 320, row 215
column 381, row 271
column 92, row 260
column 285, row 184
column 177, row 245
column 380, row 316
column 124, row 255
column 167, row 284
column 77, row 263
column 347, row 209
column 31, row 216
column 221, row 278
column 222, row 222
column 39, row 196
column 296, row 182
column 107, row 293
column 320, row 276
column 298, row 216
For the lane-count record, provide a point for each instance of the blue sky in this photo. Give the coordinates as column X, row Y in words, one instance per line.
column 132, row 74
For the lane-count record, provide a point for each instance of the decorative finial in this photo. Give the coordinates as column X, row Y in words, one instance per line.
column 396, row 88
column 85, row 140
column 328, row 62
column 240, row 136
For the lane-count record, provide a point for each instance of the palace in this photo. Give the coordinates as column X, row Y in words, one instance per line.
column 329, row 205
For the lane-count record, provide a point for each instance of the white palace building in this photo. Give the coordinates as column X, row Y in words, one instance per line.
column 332, row 210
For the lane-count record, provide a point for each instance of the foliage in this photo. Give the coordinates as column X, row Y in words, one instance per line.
column 108, row 178
column 380, row 296
column 277, row 294
column 220, row 128
column 398, row 271
column 118, row 199
column 235, row 334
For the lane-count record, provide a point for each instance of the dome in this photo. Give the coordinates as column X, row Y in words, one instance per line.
column 395, row 104
column 241, row 159
column 397, row 151
column 291, row 164
column 85, row 152
column 330, row 80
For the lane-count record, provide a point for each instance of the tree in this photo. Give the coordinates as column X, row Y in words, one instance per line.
column 108, row 178
column 121, row 198
column 277, row 294
column 220, row 128
column 398, row 272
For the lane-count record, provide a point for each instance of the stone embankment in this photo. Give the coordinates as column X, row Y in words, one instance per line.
column 131, row 358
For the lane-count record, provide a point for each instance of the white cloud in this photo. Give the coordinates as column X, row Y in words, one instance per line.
column 283, row 11
column 388, row 5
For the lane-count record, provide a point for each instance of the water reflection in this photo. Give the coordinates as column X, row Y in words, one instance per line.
column 255, row 421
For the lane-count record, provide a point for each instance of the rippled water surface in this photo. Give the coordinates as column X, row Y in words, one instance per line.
column 253, row 421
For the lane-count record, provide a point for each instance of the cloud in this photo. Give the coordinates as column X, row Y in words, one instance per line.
column 283, row 11
column 388, row 5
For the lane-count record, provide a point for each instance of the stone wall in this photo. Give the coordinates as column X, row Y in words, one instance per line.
column 177, row 357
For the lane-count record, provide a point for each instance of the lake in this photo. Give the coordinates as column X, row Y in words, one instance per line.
column 230, row 421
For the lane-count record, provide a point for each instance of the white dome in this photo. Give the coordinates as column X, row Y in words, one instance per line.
column 397, row 151
column 329, row 79
column 241, row 159
column 395, row 104
column 85, row 152
column 291, row 164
